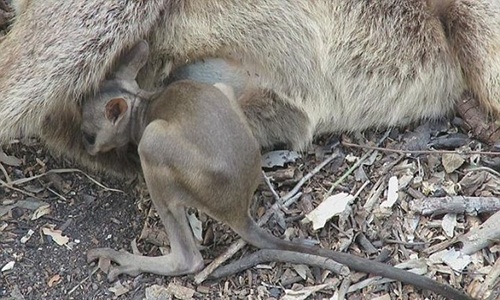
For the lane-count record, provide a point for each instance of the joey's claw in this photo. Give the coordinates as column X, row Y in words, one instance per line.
column 126, row 262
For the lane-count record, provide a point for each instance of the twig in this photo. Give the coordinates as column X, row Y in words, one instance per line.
column 59, row 171
column 82, row 281
column 308, row 176
column 268, row 255
column 344, row 287
column 271, row 187
column 57, row 194
column 455, row 204
column 285, row 202
column 487, row 169
column 491, row 278
column 361, row 189
column 406, row 152
column 6, row 185
column 232, row 250
column 7, row 178
column 355, row 166
column 290, row 201
column 377, row 190
column 481, row 237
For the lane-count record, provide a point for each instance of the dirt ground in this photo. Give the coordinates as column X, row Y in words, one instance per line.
column 69, row 212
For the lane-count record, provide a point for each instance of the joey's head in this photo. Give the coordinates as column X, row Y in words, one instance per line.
column 107, row 117
column 106, row 122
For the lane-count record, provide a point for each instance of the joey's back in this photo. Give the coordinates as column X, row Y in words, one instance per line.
column 214, row 124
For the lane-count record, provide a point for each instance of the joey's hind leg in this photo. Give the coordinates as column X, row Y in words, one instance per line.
column 275, row 121
column 184, row 256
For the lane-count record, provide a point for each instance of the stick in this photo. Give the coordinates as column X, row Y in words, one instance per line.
column 481, row 237
column 309, row 176
column 406, row 152
column 355, row 166
column 455, row 204
column 59, row 171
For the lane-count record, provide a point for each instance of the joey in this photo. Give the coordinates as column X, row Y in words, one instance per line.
column 196, row 150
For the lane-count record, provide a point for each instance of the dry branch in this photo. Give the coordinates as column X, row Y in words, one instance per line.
column 455, row 204
column 481, row 237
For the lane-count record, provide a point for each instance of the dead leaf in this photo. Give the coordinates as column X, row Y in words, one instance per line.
column 452, row 161
column 54, row 280
column 8, row 266
column 392, row 193
column 472, row 181
column 196, row 227
column 9, row 160
column 304, row 293
column 34, row 188
column 278, row 158
column 179, row 291
column 119, row 289
column 27, row 236
column 41, row 211
column 448, row 224
column 456, row 260
column 332, row 206
column 29, row 203
column 383, row 297
column 301, row 270
column 56, row 235
column 157, row 292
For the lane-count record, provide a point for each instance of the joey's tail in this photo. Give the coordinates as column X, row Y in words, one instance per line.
column 260, row 238
column 472, row 29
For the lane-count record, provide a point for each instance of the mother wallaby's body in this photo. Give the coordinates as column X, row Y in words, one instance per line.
column 309, row 66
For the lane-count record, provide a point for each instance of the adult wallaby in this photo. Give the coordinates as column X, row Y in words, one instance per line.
column 196, row 150
column 316, row 66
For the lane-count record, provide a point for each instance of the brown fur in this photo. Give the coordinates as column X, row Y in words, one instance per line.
column 196, row 150
column 331, row 65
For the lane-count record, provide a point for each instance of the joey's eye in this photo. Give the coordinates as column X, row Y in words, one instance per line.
column 90, row 139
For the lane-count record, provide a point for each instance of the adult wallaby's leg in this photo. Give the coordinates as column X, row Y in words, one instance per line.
column 57, row 52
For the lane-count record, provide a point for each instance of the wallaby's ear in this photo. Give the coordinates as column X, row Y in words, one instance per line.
column 133, row 61
column 115, row 109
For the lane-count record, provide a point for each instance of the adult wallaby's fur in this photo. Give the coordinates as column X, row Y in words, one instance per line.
column 318, row 66
column 196, row 149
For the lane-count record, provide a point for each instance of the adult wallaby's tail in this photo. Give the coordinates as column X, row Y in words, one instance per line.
column 472, row 29
column 55, row 54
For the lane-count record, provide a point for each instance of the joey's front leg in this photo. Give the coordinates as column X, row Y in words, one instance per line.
column 184, row 257
column 274, row 120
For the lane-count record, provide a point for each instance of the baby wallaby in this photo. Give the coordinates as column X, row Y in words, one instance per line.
column 196, row 150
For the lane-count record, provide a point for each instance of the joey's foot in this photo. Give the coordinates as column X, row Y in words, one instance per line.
column 173, row 264
column 127, row 263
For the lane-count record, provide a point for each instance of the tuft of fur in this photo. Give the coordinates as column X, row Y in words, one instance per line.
column 314, row 66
